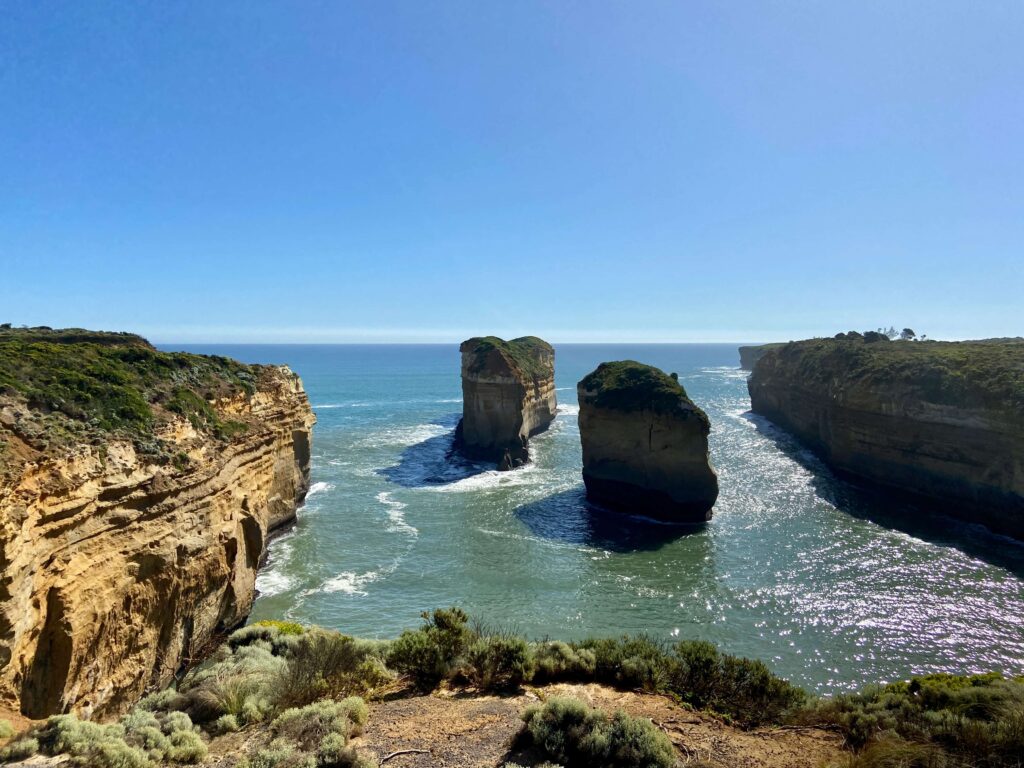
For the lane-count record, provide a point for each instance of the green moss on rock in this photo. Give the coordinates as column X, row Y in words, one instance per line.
column 627, row 385
column 528, row 355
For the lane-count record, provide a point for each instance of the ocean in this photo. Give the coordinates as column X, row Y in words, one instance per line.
column 832, row 586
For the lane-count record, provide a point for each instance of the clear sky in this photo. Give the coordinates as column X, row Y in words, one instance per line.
column 586, row 171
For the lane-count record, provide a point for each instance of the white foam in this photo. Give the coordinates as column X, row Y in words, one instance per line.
column 349, row 583
column 319, row 487
column 403, row 436
column 270, row 581
column 273, row 579
column 490, row 480
column 396, row 515
column 569, row 410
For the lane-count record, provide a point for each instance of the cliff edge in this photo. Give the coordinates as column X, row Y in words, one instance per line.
column 941, row 420
column 508, row 395
column 645, row 444
column 137, row 490
column 749, row 355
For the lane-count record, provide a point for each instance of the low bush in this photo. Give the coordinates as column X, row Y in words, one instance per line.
column 744, row 689
column 499, row 662
column 431, row 653
column 6, row 729
column 19, row 749
column 576, row 736
column 558, row 661
column 322, row 664
column 314, row 735
column 976, row 720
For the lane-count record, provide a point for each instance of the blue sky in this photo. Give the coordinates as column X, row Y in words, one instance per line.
column 586, row 171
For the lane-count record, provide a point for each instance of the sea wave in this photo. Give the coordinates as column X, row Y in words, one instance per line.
column 569, row 410
column 349, row 583
column 403, row 436
column 396, row 515
column 489, row 480
column 319, row 487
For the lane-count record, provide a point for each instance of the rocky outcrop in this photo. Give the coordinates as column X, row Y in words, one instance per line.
column 751, row 354
column 645, row 444
column 126, row 551
column 943, row 421
column 508, row 395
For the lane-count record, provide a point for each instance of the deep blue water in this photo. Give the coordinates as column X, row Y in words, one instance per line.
column 828, row 584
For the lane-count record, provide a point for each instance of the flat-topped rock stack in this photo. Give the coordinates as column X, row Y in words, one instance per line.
column 508, row 395
column 645, row 444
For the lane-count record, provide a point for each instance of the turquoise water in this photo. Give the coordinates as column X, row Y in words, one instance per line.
column 824, row 582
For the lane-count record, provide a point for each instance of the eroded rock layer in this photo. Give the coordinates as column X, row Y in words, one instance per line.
column 645, row 444
column 508, row 395
column 943, row 421
column 124, row 552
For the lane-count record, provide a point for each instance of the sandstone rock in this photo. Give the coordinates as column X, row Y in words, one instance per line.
column 751, row 354
column 508, row 395
column 943, row 421
column 645, row 444
column 118, row 568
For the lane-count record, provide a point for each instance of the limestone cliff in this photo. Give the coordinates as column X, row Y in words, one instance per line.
column 645, row 444
column 749, row 355
column 508, row 395
column 137, row 490
column 941, row 420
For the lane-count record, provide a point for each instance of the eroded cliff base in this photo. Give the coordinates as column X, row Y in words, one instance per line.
column 633, row 499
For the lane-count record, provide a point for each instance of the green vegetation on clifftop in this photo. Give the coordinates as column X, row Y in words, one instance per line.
column 963, row 373
column 627, row 385
column 525, row 354
column 75, row 386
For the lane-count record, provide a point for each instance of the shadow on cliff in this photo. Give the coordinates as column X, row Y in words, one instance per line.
column 893, row 510
column 570, row 518
column 434, row 462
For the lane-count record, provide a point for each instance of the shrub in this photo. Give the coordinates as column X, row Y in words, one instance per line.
column 431, row 653
column 744, row 689
column 186, row 747
column 151, row 740
column 282, row 627
column 165, row 700
column 307, row 726
column 560, row 661
column 19, row 749
column 577, row 737
column 977, row 720
column 6, row 729
column 630, row 662
column 323, row 663
column 278, row 754
column 115, row 754
column 499, row 662
column 239, row 683
column 225, row 724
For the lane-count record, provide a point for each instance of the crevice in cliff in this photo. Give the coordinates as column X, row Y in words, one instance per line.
column 43, row 687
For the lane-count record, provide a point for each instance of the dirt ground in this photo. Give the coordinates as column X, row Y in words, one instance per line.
column 478, row 731
column 465, row 730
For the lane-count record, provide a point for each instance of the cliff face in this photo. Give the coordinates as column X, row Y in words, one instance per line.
column 645, row 444
column 940, row 420
column 126, row 550
column 751, row 354
column 508, row 395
